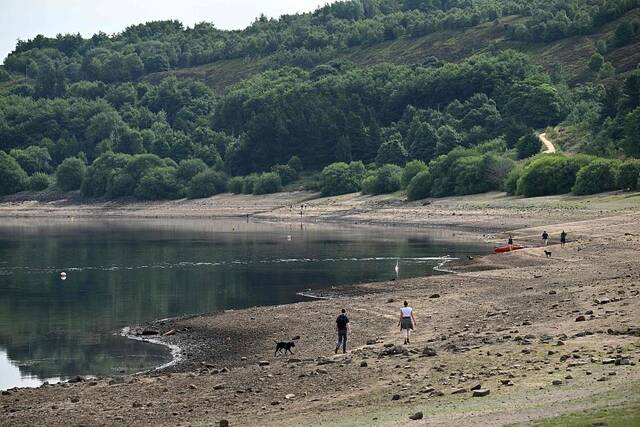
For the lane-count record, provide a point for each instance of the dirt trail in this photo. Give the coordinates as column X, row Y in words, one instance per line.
column 506, row 322
column 549, row 147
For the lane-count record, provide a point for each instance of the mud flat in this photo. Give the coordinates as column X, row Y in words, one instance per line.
column 546, row 336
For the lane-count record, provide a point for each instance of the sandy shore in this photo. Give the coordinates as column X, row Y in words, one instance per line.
column 505, row 322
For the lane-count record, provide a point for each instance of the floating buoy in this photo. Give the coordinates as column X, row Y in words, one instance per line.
column 289, row 237
column 63, row 275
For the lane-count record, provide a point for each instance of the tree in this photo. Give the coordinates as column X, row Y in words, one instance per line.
column 631, row 141
column 235, row 185
column 267, row 183
column 448, row 139
column 295, row 163
column 339, row 178
column 386, row 179
column 187, row 169
column 423, row 140
column 596, row 177
column 411, row 169
column 12, row 177
column 596, row 61
column 39, row 181
column 33, row 159
column 158, row 183
column 392, row 152
column 528, row 145
column 629, row 174
column 623, row 34
column 420, row 186
column 206, row 184
column 70, row 174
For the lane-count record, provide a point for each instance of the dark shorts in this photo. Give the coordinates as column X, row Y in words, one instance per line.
column 406, row 323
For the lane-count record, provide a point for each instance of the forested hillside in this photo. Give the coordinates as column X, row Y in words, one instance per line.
column 437, row 97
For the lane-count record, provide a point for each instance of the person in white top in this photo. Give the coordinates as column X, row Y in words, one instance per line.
column 407, row 322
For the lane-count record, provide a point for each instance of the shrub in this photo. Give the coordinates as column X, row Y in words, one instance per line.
column 411, row 169
column 550, row 174
column 628, row 175
column 341, row 178
column 511, row 181
column 235, row 184
column 596, row 177
column 392, row 152
column 158, row 183
column 70, row 174
column 187, row 169
column 286, row 173
column 12, row 177
column 33, row 159
column 39, row 181
column 207, row 184
column 295, row 163
column 267, row 183
column 121, row 184
column 527, row 146
column 141, row 163
column 385, row 180
column 420, row 186
column 249, row 183
column 596, row 61
column 101, row 172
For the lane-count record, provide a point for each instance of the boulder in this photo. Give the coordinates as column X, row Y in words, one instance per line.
column 481, row 392
column 416, row 416
column 429, row 352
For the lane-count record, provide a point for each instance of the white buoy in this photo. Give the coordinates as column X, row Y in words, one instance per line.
column 63, row 275
column 397, row 268
column 289, row 237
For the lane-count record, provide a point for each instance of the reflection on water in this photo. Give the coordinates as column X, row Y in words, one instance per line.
column 125, row 272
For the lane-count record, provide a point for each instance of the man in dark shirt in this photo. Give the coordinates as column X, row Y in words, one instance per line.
column 343, row 328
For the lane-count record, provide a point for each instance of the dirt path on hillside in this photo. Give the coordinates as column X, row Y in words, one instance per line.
column 549, row 147
column 505, row 322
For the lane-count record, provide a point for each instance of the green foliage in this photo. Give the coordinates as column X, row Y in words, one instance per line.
column 341, row 178
column 187, row 169
column 623, row 34
column 249, row 183
column 411, row 169
column 286, row 173
column 420, row 186
column 631, row 141
column 392, row 152
column 207, row 184
column 12, row 177
column 39, row 181
column 33, row 159
column 70, row 173
column 158, row 183
column 596, row 177
column 235, row 185
column 596, row 61
column 386, row 179
column 295, row 163
column 550, row 174
column 528, row 145
column 267, row 183
column 628, row 175
column 100, row 175
column 511, row 180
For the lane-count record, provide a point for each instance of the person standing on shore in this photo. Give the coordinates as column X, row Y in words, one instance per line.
column 407, row 322
column 563, row 238
column 545, row 237
column 510, row 241
column 344, row 328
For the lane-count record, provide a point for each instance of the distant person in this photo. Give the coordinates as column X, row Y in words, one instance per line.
column 344, row 328
column 407, row 322
column 545, row 237
column 563, row 238
column 510, row 241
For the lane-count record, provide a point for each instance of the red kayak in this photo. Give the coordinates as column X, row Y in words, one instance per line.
column 508, row 248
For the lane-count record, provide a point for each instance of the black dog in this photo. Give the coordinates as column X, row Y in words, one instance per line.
column 284, row 345
column 548, row 254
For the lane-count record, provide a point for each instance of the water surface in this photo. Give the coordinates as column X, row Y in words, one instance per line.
column 131, row 271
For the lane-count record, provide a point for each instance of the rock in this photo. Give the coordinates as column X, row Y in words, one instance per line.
column 363, row 364
column 395, row 397
column 275, row 403
column 556, row 382
column 623, row 361
column 136, row 405
column 149, row 331
column 552, row 292
column 322, row 371
column 434, row 296
column 263, row 363
column 75, row 399
column 169, row 333
column 296, row 338
column 290, row 396
column 218, row 386
column 397, row 349
column 372, row 342
column 476, row 387
column 459, row 391
column 388, row 345
column 481, row 392
column 429, row 352
column 608, row 361
column 390, row 300
column 192, row 387
column 5, row 393
column 76, row 379
column 580, row 318
column 416, row 416
column 224, row 423
column 294, row 360
column 603, row 301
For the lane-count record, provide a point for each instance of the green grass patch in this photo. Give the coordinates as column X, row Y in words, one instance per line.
column 615, row 416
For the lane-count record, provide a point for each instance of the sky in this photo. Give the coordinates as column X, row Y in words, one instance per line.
column 24, row 19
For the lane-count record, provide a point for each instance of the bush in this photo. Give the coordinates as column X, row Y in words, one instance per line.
column 596, row 61
column 158, row 183
column 249, row 183
column 596, row 177
column 550, row 174
column 286, row 173
column 235, row 184
column 12, row 177
column 392, row 152
column 141, row 163
column 207, row 184
column 70, row 174
column 102, row 171
column 121, row 184
column 267, row 183
column 341, row 178
column 385, row 180
column 628, row 175
column 411, row 169
column 187, row 169
column 420, row 186
column 33, row 159
column 295, row 163
column 511, row 181
column 39, row 181
column 528, row 145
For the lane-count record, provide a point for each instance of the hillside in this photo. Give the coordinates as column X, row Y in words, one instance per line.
column 571, row 53
column 432, row 98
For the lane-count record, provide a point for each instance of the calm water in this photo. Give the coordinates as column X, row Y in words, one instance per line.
column 126, row 272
